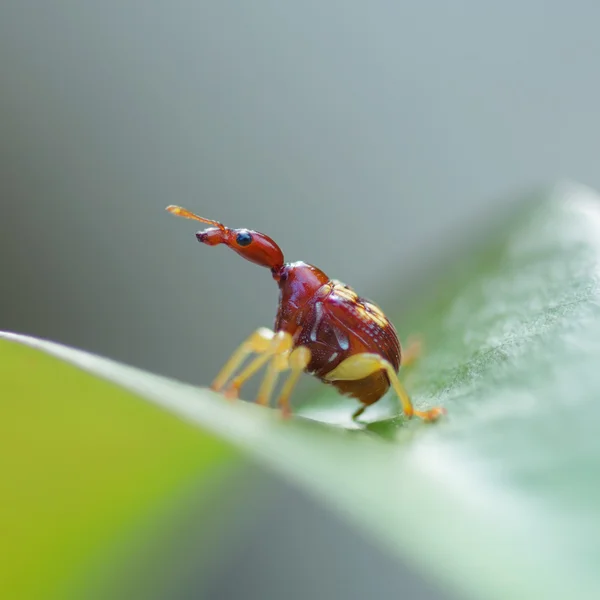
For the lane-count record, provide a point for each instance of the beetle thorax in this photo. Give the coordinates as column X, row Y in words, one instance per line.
column 298, row 283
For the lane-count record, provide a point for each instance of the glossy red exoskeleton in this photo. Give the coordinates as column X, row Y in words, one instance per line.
column 322, row 327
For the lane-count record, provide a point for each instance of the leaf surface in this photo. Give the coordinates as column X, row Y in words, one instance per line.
column 499, row 500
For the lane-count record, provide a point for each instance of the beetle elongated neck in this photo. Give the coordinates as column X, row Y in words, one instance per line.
column 298, row 283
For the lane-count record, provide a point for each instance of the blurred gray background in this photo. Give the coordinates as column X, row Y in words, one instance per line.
column 359, row 135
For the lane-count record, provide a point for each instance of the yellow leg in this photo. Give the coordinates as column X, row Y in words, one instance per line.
column 278, row 363
column 258, row 342
column 274, row 349
column 297, row 362
column 280, row 343
column 414, row 350
column 360, row 366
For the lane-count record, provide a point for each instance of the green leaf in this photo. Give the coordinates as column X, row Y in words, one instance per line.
column 85, row 466
column 499, row 500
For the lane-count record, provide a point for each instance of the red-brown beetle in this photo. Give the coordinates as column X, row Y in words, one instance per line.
column 322, row 327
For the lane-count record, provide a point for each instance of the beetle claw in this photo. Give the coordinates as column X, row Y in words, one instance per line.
column 431, row 415
column 232, row 392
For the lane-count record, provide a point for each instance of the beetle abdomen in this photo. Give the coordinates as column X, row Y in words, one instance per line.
column 337, row 324
column 367, row 390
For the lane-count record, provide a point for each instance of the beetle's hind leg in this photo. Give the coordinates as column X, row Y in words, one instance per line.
column 359, row 366
column 413, row 351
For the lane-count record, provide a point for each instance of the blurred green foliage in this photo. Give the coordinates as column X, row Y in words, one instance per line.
column 85, row 465
column 499, row 500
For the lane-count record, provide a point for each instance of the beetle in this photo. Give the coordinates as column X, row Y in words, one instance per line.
column 322, row 327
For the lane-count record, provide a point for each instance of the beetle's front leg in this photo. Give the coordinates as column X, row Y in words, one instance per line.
column 279, row 344
column 257, row 343
column 280, row 357
column 297, row 363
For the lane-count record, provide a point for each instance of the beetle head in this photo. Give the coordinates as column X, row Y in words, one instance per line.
column 251, row 245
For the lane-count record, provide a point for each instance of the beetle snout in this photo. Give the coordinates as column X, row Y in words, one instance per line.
column 211, row 236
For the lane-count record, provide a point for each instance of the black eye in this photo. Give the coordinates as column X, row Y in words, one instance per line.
column 243, row 238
